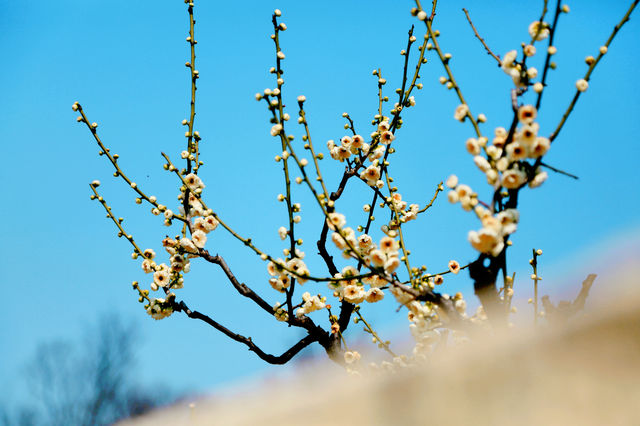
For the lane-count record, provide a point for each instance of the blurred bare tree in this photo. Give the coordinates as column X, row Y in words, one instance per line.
column 88, row 383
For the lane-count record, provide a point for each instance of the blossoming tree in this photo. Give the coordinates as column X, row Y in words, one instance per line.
column 377, row 261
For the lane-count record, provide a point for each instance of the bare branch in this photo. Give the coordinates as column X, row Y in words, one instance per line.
column 271, row 359
column 489, row 52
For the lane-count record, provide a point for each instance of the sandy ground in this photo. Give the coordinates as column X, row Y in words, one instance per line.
column 586, row 373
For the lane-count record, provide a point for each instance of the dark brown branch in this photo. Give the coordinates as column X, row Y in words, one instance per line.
column 242, row 288
column 271, row 359
column 322, row 250
column 348, row 173
column 562, row 172
column 489, row 52
column 484, row 285
column 302, row 322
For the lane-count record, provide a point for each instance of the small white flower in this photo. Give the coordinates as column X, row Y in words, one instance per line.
column 539, row 30
column 371, row 174
column 386, row 137
column 388, row 245
column 188, row 245
column 494, row 152
column 148, row 266
column 482, row 163
column 377, row 257
column 199, row 238
column 538, row 180
column 161, row 278
column 454, row 266
column 354, row 294
column 529, row 50
column 472, row 145
column 193, row 181
column 336, row 220
column 502, row 164
column 515, row 151
column 540, row 147
column 374, row 295
column 463, row 190
column 486, row 241
column 461, row 112
column 582, row 85
column 492, row 177
column 452, row 181
column 527, row 113
column 282, row 232
column 391, row 264
column 507, row 61
column 513, row 178
column 276, row 129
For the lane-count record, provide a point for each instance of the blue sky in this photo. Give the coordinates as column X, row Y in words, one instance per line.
column 124, row 61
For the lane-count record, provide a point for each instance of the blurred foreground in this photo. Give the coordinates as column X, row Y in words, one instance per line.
column 585, row 373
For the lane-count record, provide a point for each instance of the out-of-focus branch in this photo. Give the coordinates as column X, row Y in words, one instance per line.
column 558, row 315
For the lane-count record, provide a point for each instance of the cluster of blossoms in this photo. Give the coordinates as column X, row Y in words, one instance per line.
column 503, row 160
column 351, row 289
column 283, row 271
column 519, row 74
column 180, row 249
column 495, row 227
column 159, row 308
column 355, row 145
column 384, row 256
column 280, row 313
column 311, row 303
column 407, row 214
column 504, row 166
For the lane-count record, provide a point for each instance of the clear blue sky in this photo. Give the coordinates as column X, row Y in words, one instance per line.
column 124, row 61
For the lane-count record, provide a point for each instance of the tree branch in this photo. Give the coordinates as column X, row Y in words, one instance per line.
column 489, row 52
column 271, row 359
column 242, row 288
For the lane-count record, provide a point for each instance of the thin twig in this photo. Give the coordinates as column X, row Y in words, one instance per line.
column 562, row 172
column 592, row 67
column 489, row 52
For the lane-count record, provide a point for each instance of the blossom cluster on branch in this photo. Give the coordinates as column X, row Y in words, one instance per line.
column 375, row 267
